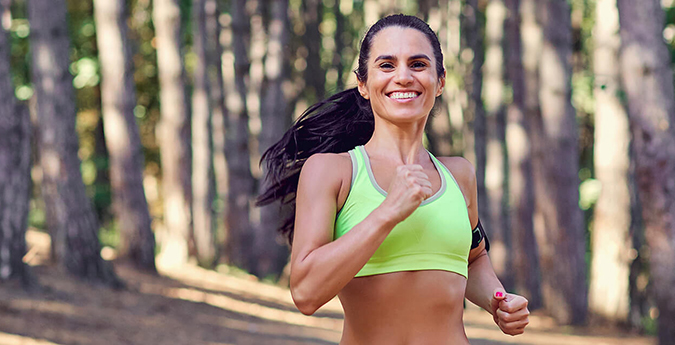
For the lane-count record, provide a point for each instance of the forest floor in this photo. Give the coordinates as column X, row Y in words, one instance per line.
column 194, row 306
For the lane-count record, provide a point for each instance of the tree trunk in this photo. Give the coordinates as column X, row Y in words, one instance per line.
column 70, row 217
column 562, row 244
column 173, row 133
column 275, row 119
column 611, row 241
column 315, row 75
column 475, row 132
column 438, row 130
column 340, row 44
column 15, row 166
column 496, row 169
column 202, row 165
column 648, row 81
column 521, row 187
column 122, row 135
column 239, row 239
column 219, row 115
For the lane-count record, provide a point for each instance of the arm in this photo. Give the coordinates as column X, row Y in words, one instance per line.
column 321, row 267
column 483, row 288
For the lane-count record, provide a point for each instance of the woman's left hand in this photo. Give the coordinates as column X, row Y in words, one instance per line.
column 509, row 312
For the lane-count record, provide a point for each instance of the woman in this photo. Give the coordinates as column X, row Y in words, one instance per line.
column 379, row 221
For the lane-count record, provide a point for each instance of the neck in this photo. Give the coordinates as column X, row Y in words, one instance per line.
column 399, row 143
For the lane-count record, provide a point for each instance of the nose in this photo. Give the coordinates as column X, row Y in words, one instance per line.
column 404, row 76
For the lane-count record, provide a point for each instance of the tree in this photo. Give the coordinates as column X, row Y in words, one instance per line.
column 202, row 144
column 611, row 241
column 174, row 133
column 241, row 183
column 475, row 131
column 275, row 117
column 648, row 82
column 562, row 244
column 220, row 112
column 122, row 135
column 15, row 166
column 496, row 169
column 315, row 76
column 438, row 129
column 70, row 217
column 521, row 187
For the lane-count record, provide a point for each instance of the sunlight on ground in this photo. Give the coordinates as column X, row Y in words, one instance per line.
column 11, row 339
column 267, row 311
column 242, row 307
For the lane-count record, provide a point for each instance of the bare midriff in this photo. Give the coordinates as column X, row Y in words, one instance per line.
column 404, row 308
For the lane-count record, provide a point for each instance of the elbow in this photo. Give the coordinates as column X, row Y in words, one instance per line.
column 304, row 301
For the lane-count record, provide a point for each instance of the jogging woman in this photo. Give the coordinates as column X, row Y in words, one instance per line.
column 380, row 222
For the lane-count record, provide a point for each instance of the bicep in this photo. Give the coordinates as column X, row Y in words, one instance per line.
column 316, row 205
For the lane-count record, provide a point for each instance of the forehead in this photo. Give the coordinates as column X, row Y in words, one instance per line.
column 400, row 42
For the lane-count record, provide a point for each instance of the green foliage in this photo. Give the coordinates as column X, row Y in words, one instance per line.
column 109, row 235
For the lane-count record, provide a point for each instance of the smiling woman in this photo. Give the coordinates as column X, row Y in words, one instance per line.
column 378, row 221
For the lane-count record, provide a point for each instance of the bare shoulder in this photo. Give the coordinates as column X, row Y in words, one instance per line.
column 328, row 169
column 327, row 163
column 464, row 173
column 462, row 170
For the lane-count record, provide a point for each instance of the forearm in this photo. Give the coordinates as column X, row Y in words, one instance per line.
column 482, row 282
column 318, row 276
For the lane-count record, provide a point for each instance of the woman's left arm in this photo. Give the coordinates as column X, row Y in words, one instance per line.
column 483, row 287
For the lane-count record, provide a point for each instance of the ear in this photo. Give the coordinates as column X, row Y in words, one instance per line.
column 363, row 90
column 441, row 85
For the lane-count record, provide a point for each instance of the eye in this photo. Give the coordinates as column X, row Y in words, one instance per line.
column 418, row 64
column 386, row 65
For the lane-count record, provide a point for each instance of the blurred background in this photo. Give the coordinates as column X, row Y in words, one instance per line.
column 131, row 134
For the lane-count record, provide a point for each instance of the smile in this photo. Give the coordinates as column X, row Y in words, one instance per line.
column 403, row 95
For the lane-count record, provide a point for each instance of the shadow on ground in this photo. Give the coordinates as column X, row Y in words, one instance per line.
column 193, row 306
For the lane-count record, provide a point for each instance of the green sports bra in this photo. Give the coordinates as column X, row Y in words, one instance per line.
column 436, row 236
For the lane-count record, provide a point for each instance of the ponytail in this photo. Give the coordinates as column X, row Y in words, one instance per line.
column 334, row 125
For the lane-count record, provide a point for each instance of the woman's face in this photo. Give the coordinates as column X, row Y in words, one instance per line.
column 402, row 83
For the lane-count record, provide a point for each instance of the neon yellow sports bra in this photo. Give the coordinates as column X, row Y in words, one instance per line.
column 436, row 236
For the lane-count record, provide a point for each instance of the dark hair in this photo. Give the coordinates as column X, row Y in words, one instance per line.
column 337, row 124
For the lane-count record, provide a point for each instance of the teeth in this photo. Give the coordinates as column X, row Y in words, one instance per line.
column 403, row 95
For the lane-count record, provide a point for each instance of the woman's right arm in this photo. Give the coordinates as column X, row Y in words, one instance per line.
column 321, row 267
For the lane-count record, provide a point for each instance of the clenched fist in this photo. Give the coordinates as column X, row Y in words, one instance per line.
column 406, row 192
column 510, row 312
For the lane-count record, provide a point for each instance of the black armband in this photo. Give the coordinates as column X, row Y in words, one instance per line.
column 478, row 235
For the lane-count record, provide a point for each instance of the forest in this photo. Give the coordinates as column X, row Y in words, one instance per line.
column 131, row 133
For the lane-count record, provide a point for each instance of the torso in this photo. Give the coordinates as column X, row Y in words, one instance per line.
column 406, row 308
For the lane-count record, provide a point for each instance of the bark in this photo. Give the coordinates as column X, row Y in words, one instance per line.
column 315, row 75
column 562, row 244
column 340, row 44
column 475, row 132
column 611, row 241
column 15, row 181
column 496, row 169
column 275, row 118
column 219, row 115
column 173, row 132
column 648, row 81
column 70, row 217
column 122, row 136
column 438, row 130
column 241, row 183
column 444, row 129
column 521, row 187
column 202, row 143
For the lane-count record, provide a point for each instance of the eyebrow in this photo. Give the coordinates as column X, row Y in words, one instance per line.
column 392, row 57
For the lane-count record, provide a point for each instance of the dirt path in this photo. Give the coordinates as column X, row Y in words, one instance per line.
column 199, row 307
